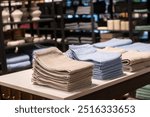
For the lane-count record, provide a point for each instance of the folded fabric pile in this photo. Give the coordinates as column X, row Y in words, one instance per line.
column 17, row 61
column 86, row 40
column 54, row 69
column 131, row 60
column 15, row 43
column 138, row 46
column 114, row 42
column 83, row 10
column 73, row 25
column 106, row 65
column 143, row 93
column 134, row 60
column 73, row 40
column 87, row 25
column 144, row 27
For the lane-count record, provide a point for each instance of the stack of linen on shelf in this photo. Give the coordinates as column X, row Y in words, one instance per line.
column 17, row 61
column 15, row 42
column 106, row 65
column 143, row 93
column 73, row 25
column 107, row 36
column 87, row 25
column 144, row 27
column 86, row 40
column 54, row 69
column 114, row 42
column 81, row 10
column 73, row 40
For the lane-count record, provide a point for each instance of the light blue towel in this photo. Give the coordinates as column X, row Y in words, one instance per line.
column 138, row 46
column 106, row 64
column 16, row 58
column 112, row 75
column 83, row 50
column 100, row 57
column 108, row 70
column 114, row 42
column 20, row 65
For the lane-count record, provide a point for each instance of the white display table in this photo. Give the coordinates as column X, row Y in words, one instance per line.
column 100, row 89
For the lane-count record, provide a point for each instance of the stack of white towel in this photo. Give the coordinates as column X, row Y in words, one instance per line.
column 54, row 69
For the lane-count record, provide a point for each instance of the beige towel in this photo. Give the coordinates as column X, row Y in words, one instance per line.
column 54, row 69
column 66, row 87
column 54, row 60
column 134, row 57
column 59, row 78
column 136, row 67
column 113, row 49
column 57, row 74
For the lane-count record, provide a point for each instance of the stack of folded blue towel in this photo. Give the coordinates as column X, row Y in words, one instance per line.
column 106, row 65
column 17, row 61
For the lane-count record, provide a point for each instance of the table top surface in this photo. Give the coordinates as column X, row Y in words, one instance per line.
column 22, row 81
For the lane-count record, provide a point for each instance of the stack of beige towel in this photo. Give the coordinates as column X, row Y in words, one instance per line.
column 132, row 60
column 54, row 69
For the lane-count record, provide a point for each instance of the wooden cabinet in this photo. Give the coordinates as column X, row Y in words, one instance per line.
column 5, row 93
column 12, row 94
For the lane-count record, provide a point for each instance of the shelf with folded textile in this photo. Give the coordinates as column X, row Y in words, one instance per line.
column 23, row 26
column 113, row 21
column 140, row 20
column 79, row 20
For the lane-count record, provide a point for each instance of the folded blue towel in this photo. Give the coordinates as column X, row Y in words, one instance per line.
column 16, row 58
column 138, row 46
column 112, row 75
column 20, row 65
column 110, row 69
column 114, row 42
column 106, row 64
column 100, row 57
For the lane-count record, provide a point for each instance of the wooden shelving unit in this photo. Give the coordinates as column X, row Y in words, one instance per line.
column 48, row 18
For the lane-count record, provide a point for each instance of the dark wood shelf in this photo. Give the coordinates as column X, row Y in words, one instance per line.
column 78, row 29
column 141, row 30
column 142, row 12
column 114, row 30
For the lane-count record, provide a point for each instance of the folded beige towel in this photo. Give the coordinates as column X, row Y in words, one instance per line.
column 54, row 69
column 113, row 49
column 134, row 57
column 53, row 59
column 136, row 67
column 66, row 87
column 62, row 78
